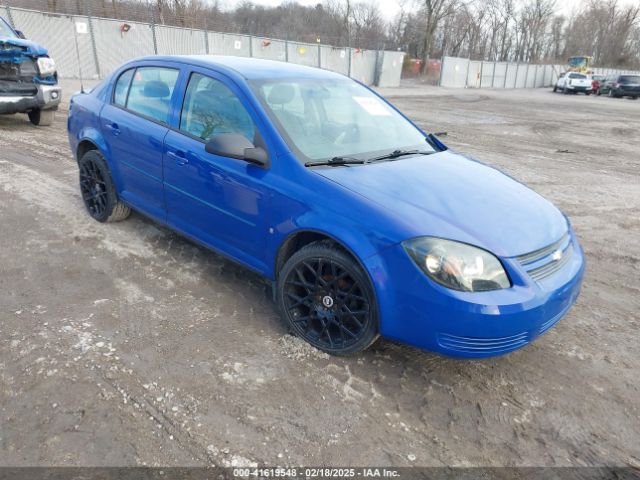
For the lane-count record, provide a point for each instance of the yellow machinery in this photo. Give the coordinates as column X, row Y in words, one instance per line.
column 582, row 64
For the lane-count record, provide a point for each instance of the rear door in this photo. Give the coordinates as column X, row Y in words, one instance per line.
column 218, row 200
column 134, row 125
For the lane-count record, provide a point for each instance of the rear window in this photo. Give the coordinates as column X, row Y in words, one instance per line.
column 630, row 79
column 577, row 75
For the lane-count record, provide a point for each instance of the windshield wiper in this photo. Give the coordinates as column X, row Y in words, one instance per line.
column 337, row 161
column 397, row 154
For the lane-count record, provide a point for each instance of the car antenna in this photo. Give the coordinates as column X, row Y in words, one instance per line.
column 75, row 37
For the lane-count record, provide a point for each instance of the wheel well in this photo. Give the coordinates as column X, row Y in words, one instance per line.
column 84, row 147
column 301, row 239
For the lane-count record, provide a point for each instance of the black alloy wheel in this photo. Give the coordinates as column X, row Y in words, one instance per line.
column 327, row 300
column 98, row 191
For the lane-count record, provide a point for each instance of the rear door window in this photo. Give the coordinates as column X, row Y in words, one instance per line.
column 150, row 92
column 122, row 88
column 626, row 79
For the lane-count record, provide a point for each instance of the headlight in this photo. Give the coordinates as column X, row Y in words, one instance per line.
column 457, row 265
column 46, row 66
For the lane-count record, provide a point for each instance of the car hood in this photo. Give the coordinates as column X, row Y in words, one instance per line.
column 14, row 49
column 450, row 196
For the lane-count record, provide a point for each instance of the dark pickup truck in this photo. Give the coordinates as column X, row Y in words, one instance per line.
column 28, row 78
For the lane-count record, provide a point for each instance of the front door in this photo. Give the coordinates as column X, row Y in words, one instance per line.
column 218, row 200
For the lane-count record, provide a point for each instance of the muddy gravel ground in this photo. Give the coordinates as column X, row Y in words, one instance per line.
column 125, row 344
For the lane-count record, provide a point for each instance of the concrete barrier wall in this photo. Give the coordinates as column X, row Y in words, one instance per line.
column 103, row 44
column 465, row 73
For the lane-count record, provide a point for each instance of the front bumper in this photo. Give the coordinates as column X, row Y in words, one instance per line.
column 579, row 89
column 417, row 311
column 47, row 98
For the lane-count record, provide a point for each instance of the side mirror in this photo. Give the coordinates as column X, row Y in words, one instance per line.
column 20, row 34
column 234, row 145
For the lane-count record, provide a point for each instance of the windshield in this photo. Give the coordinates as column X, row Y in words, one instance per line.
column 323, row 119
column 578, row 62
column 577, row 75
column 630, row 79
column 6, row 31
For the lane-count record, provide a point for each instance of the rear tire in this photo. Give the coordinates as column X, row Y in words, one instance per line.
column 41, row 118
column 327, row 300
column 98, row 190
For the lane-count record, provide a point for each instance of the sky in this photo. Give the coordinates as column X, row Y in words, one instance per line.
column 391, row 7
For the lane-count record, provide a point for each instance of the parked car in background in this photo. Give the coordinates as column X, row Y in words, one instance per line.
column 596, row 82
column 573, row 82
column 621, row 86
column 28, row 78
column 364, row 224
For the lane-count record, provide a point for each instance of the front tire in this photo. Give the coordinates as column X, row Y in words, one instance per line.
column 41, row 118
column 555, row 88
column 327, row 300
column 98, row 190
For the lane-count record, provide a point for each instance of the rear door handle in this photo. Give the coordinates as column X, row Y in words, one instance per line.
column 179, row 156
column 115, row 130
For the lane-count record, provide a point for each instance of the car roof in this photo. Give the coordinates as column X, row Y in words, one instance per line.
column 249, row 68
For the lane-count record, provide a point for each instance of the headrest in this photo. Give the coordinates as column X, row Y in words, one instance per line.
column 205, row 99
column 156, row 89
column 281, row 93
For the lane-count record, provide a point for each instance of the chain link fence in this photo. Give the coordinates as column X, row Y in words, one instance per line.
column 92, row 47
column 464, row 73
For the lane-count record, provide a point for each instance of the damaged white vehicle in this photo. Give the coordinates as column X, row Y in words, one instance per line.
column 28, row 78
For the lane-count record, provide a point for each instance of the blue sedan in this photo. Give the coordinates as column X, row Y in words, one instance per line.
column 365, row 225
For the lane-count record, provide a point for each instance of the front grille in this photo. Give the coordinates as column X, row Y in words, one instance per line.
column 489, row 346
column 552, row 267
column 536, row 255
column 17, row 79
column 548, row 260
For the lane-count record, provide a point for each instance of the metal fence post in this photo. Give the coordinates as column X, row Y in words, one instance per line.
column 286, row 48
column 10, row 16
column 442, row 64
column 250, row 45
column 153, row 31
column 493, row 75
column 466, row 75
column 377, row 73
column 206, row 41
column 93, row 39
column 349, row 68
column 319, row 54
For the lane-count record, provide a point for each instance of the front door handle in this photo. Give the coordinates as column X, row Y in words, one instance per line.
column 179, row 156
column 115, row 130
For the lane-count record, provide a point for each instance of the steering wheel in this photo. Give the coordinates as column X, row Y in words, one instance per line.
column 348, row 134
